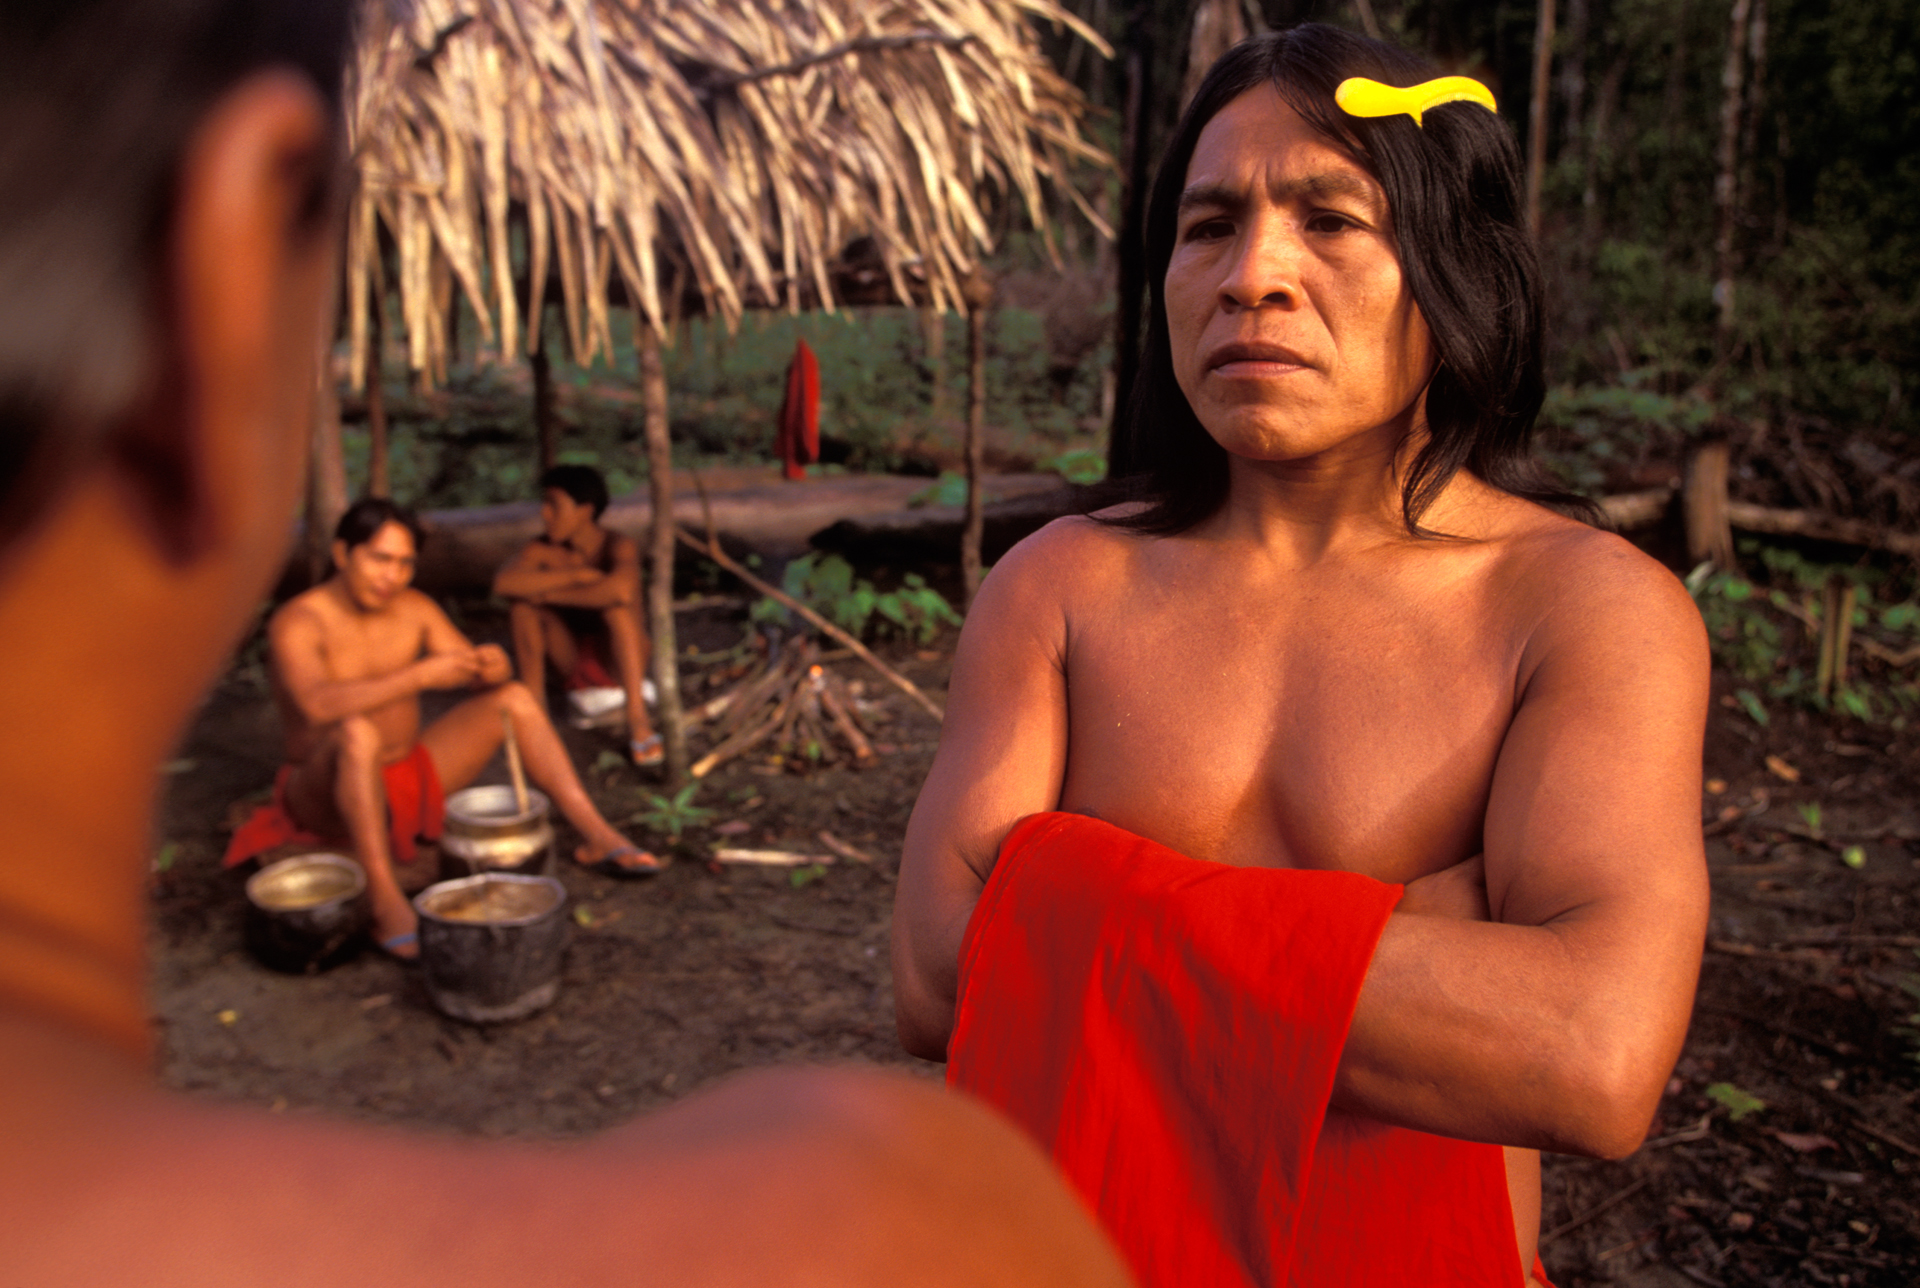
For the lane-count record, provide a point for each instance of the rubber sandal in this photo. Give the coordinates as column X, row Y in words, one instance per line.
column 647, row 752
column 609, row 864
column 392, row 945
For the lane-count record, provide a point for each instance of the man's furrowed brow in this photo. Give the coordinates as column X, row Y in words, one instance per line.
column 1324, row 185
column 1212, row 196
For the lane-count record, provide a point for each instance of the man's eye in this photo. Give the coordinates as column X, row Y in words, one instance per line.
column 1209, row 230
column 1330, row 221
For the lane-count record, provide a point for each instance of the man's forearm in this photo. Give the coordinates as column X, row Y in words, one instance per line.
column 608, row 592
column 1553, row 1037
column 340, row 699
column 527, row 583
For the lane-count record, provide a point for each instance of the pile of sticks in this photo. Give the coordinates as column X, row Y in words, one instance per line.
column 793, row 705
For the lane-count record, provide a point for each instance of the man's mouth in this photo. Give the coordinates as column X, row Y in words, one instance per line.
column 1253, row 358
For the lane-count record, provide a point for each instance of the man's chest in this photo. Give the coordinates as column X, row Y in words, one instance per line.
column 364, row 650
column 1360, row 736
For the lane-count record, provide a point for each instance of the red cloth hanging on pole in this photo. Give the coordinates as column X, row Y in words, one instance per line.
column 799, row 437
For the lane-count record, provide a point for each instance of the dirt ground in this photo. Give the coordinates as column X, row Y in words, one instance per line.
column 674, row 982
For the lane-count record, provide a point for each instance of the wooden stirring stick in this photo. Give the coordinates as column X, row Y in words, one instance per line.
column 513, row 763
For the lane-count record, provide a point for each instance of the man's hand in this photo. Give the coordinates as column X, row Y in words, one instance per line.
column 453, row 669
column 493, row 664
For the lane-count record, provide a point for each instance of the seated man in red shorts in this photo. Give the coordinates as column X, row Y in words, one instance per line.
column 575, row 596
column 350, row 659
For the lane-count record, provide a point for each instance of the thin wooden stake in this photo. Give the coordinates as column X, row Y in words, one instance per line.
column 979, row 297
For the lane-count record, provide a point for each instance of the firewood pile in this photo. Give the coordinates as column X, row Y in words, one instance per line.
column 792, row 706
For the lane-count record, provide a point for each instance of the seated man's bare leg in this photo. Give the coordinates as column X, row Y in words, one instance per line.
column 337, row 791
column 463, row 740
column 630, row 646
column 539, row 634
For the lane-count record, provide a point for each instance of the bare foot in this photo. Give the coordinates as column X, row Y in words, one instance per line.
column 621, row 860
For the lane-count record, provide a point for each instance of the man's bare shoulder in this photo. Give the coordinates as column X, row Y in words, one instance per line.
column 306, row 613
column 1583, row 584
column 1072, row 548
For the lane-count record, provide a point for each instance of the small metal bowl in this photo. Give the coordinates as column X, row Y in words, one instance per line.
column 308, row 912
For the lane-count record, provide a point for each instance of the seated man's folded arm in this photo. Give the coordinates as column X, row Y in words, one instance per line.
column 1002, row 755
column 537, row 570
column 617, row 587
column 296, row 642
column 1556, row 1025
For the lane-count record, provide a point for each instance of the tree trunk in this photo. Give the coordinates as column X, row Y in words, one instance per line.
column 1704, row 502
column 1733, row 83
column 668, row 716
column 979, row 294
column 379, row 477
column 1539, row 112
column 326, row 475
column 1136, row 162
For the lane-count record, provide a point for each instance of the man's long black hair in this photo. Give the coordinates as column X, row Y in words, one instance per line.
column 1453, row 185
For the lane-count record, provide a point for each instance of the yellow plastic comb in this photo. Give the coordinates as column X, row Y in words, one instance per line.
column 1358, row 96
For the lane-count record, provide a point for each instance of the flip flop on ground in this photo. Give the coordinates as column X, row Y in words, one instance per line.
column 625, row 862
column 647, row 751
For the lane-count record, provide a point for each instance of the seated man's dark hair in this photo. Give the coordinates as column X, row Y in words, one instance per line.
column 581, row 482
column 370, row 514
column 101, row 98
column 1453, row 185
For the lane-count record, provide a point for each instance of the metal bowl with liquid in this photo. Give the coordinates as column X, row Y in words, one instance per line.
column 307, row 912
column 490, row 945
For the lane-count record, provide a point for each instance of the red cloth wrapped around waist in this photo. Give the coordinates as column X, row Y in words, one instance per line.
column 415, row 805
column 1169, row 1030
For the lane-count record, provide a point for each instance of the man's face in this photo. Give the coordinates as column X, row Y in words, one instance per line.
column 1292, row 327
column 563, row 516
column 378, row 568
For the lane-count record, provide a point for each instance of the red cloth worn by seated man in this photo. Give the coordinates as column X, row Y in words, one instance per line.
column 1169, row 1030
column 415, row 805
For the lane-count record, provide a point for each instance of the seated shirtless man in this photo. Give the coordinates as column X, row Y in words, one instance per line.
column 350, row 658
column 168, row 253
column 575, row 596
column 1337, row 630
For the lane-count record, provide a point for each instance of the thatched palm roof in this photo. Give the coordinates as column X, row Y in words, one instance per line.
column 713, row 153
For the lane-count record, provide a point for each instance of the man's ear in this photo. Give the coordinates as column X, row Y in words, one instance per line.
column 339, row 549
column 247, row 281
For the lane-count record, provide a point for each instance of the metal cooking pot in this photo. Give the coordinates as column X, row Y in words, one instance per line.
column 490, row 945
column 307, row 912
column 486, row 831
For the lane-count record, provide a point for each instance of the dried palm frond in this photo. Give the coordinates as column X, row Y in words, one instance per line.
column 717, row 155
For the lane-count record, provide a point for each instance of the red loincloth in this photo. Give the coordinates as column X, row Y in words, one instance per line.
column 1169, row 1030
column 799, row 435
column 414, row 807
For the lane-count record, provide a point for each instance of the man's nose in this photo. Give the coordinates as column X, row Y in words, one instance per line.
column 1265, row 268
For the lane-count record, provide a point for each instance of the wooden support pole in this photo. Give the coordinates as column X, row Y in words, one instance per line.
column 979, row 295
column 668, row 716
column 379, row 476
column 1726, row 170
column 326, row 473
column 545, row 422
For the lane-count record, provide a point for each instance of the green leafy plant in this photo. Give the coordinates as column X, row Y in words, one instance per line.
column 1810, row 815
column 827, row 584
column 1081, row 465
column 949, row 489
column 806, row 875
column 673, row 815
column 1736, row 1102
